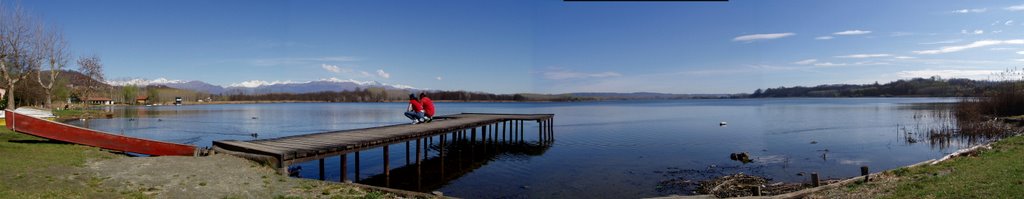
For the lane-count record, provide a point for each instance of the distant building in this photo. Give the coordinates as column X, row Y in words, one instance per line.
column 99, row 101
column 142, row 99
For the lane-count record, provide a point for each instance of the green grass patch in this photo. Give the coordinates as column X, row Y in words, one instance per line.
column 39, row 168
column 994, row 173
column 77, row 113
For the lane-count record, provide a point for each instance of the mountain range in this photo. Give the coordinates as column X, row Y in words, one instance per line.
column 262, row 87
column 333, row 84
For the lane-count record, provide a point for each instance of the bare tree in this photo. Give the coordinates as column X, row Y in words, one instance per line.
column 19, row 55
column 54, row 51
column 91, row 67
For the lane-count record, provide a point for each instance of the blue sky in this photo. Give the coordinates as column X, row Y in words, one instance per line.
column 547, row 46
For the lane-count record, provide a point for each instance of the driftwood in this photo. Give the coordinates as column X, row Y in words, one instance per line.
column 962, row 152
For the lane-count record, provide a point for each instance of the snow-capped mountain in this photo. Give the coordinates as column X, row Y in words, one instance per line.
column 259, row 86
column 143, row 82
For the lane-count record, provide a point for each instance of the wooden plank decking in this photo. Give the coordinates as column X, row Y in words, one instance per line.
column 285, row 151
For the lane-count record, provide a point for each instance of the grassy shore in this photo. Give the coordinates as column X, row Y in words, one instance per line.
column 39, row 168
column 36, row 168
column 990, row 173
column 78, row 113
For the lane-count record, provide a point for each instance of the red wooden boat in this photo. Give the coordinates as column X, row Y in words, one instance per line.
column 73, row 134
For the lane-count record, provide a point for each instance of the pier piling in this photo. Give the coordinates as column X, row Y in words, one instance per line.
column 321, row 168
column 864, row 172
column 357, row 167
column 344, row 168
column 814, row 180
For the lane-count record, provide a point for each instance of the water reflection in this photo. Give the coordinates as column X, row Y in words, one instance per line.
column 459, row 157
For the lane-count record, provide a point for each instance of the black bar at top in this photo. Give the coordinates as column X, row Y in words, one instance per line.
column 654, row 0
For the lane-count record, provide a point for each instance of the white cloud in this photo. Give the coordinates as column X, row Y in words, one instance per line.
column 1020, row 52
column 1008, row 23
column 754, row 37
column 381, row 73
column 830, row 64
column 364, row 73
column 904, row 57
column 943, row 42
column 1015, row 8
column 438, row 78
column 333, row 68
column 976, row 44
column 975, row 32
column 973, row 74
column 823, row 38
column 1002, row 48
column 864, row 55
column 853, row 32
column 806, row 61
column 965, row 11
column 558, row 74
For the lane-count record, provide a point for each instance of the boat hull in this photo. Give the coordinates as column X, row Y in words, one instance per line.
column 73, row 134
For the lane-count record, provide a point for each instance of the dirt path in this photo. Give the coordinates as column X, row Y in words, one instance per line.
column 217, row 176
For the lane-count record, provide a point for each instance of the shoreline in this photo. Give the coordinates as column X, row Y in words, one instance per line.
column 41, row 168
column 837, row 185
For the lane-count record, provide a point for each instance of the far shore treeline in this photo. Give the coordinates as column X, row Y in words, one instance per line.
column 916, row 87
column 65, row 91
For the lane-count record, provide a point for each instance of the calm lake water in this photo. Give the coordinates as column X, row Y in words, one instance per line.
column 616, row 149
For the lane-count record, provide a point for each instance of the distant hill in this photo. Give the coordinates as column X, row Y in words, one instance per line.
column 314, row 86
column 75, row 78
column 324, row 85
column 917, row 87
column 199, row 86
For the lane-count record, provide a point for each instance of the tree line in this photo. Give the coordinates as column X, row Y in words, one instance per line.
column 384, row 95
column 916, row 87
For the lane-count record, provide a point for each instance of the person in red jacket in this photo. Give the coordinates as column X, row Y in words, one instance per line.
column 428, row 106
column 415, row 110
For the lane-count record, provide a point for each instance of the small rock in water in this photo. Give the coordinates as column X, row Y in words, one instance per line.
column 800, row 174
column 525, row 187
column 742, row 157
column 814, row 142
column 254, row 118
column 722, row 123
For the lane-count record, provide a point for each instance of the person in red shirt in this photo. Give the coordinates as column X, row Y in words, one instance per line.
column 415, row 110
column 428, row 106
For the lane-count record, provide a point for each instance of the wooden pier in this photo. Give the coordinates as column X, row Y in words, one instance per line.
column 477, row 127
